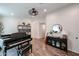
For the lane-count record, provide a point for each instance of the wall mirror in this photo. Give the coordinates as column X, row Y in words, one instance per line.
column 57, row 28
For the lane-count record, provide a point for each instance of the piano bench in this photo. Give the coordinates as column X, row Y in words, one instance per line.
column 24, row 49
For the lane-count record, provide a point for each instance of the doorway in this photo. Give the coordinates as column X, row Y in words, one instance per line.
column 42, row 29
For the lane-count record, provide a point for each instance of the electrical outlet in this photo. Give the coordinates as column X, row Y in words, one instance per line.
column 76, row 37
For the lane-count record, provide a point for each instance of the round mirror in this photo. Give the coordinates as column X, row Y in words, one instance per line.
column 57, row 28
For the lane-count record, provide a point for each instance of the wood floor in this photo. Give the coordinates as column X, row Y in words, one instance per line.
column 41, row 49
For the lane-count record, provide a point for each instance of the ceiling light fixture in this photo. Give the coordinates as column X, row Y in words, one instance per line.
column 33, row 12
column 45, row 10
column 33, row 16
column 12, row 14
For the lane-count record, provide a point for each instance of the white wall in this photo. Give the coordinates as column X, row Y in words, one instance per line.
column 10, row 25
column 69, row 19
column 37, row 29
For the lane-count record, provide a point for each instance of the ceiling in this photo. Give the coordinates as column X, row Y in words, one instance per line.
column 20, row 10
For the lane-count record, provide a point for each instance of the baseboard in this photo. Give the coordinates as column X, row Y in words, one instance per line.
column 73, row 51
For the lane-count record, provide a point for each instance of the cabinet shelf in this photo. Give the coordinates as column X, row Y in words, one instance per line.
column 57, row 42
column 24, row 28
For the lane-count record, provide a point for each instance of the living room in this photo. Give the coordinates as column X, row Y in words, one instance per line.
column 42, row 17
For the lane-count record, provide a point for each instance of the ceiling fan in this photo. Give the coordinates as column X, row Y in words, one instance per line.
column 33, row 12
